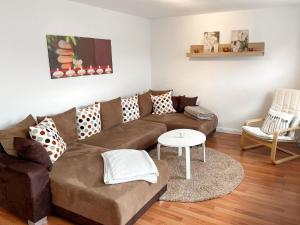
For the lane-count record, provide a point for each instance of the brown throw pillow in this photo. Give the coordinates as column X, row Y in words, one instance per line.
column 66, row 125
column 159, row 92
column 111, row 113
column 145, row 104
column 21, row 129
column 33, row 151
column 176, row 102
column 185, row 101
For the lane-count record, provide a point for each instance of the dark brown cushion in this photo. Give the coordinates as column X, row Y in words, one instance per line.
column 185, row 101
column 176, row 102
column 159, row 92
column 21, row 129
column 111, row 113
column 145, row 104
column 66, row 124
column 33, row 151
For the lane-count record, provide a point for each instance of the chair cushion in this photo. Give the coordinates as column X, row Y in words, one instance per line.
column 65, row 123
column 276, row 120
column 137, row 134
column 81, row 190
column 20, row 129
column 258, row 133
column 181, row 121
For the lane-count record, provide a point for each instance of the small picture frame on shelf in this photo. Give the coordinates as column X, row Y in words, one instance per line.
column 239, row 40
column 211, row 41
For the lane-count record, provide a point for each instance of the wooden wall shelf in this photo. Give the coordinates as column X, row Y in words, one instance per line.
column 196, row 51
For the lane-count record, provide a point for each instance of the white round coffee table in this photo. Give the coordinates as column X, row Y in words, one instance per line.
column 182, row 138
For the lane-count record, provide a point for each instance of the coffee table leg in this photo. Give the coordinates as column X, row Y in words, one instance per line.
column 203, row 149
column 179, row 151
column 158, row 151
column 187, row 163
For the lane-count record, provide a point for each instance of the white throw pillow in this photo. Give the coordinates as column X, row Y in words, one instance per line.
column 276, row 120
column 88, row 121
column 130, row 108
column 162, row 104
column 47, row 134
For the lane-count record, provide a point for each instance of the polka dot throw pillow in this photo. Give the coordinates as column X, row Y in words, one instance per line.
column 47, row 134
column 162, row 104
column 88, row 121
column 130, row 108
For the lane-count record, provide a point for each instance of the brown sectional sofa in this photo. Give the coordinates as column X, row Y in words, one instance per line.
column 74, row 188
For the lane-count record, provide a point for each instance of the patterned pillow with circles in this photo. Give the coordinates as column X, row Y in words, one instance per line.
column 47, row 134
column 162, row 104
column 130, row 108
column 276, row 120
column 88, row 121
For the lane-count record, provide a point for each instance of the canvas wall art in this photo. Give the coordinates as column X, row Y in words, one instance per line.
column 211, row 41
column 71, row 56
column 239, row 40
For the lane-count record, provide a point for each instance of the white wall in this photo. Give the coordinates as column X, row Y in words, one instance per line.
column 234, row 88
column 25, row 84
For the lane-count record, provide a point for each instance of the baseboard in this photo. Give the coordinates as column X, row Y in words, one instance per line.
column 228, row 130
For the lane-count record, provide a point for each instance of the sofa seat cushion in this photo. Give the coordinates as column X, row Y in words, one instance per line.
column 181, row 121
column 138, row 134
column 81, row 190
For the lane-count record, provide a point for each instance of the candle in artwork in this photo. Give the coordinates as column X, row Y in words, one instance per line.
column 107, row 69
column 99, row 70
column 91, row 70
column 70, row 72
column 81, row 72
column 58, row 73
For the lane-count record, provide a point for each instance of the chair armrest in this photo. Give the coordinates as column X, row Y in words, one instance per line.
column 24, row 188
column 278, row 132
column 248, row 122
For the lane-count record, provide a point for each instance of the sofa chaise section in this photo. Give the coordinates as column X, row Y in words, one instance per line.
column 80, row 188
column 181, row 121
column 137, row 134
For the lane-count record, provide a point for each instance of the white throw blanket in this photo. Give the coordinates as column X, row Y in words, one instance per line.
column 126, row 165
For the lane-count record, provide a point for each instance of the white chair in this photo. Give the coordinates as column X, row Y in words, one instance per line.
column 285, row 100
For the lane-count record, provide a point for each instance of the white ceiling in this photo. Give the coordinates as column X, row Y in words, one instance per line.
column 168, row 8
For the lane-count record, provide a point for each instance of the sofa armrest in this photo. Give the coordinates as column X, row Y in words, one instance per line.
column 24, row 188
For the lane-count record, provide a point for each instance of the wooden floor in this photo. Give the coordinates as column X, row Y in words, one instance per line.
column 268, row 195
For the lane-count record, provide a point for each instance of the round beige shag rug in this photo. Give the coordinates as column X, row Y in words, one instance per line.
column 216, row 177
